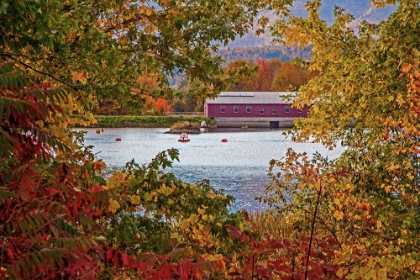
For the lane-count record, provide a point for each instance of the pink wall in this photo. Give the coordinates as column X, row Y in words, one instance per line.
column 213, row 111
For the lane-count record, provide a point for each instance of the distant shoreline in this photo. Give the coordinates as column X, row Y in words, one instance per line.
column 143, row 121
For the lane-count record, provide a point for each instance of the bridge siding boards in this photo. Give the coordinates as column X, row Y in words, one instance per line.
column 257, row 100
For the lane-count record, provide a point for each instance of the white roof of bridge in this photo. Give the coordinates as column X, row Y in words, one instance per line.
column 249, row 97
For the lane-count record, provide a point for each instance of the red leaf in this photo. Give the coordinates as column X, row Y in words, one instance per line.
column 332, row 241
column 234, row 232
column 96, row 189
column 124, row 259
column 264, row 272
column 44, row 86
column 109, row 253
column 283, row 268
column 304, row 247
column 323, row 245
column 246, row 215
column 165, row 272
column 330, row 267
column 115, row 259
column 9, row 254
column 275, row 244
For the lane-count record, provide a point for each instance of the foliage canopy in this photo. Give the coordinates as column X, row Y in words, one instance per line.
column 353, row 217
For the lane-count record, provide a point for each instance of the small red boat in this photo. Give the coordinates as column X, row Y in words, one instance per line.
column 183, row 138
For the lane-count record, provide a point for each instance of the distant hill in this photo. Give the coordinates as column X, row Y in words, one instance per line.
column 360, row 9
column 250, row 47
column 283, row 53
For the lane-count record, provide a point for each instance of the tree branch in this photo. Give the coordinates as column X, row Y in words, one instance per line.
column 312, row 231
column 73, row 86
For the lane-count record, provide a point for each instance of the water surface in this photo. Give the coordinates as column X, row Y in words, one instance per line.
column 239, row 166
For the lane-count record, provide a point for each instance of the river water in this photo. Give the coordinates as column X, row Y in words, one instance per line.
column 239, row 166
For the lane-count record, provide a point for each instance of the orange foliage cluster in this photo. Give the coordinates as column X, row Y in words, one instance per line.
column 272, row 75
column 156, row 104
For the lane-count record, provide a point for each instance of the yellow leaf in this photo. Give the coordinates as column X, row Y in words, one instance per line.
column 184, row 224
column 100, row 238
column 135, row 199
column 340, row 272
column 193, row 218
column 318, row 185
column 337, row 201
column 410, row 176
column 176, row 236
column 147, row 196
column 99, row 164
column 216, row 257
column 338, row 215
column 113, row 205
column 393, row 167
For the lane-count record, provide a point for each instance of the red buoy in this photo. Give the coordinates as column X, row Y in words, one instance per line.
column 184, row 138
column 224, row 140
column 118, row 139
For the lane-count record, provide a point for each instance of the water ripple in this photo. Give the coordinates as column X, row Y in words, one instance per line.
column 239, row 166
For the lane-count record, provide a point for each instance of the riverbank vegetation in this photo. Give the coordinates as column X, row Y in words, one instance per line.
column 356, row 217
column 148, row 121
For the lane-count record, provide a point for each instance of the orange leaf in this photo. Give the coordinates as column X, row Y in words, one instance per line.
column 406, row 67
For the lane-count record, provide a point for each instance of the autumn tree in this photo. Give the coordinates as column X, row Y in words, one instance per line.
column 50, row 194
column 365, row 98
column 262, row 74
column 289, row 77
column 271, row 75
column 272, row 66
column 60, row 57
column 189, row 97
column 242, row 73
column 103, row 46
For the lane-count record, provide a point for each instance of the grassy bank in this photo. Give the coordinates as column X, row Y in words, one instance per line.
column 147, row 121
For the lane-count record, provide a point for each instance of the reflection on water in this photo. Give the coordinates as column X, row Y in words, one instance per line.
column 242, row 182
column 239, row 166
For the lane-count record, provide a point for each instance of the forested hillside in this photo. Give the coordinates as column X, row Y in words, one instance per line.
column 283, row 53
column 251, row 47
column 360, row 9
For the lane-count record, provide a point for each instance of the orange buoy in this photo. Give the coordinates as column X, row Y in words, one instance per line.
column 224, row 140
column 118, row 139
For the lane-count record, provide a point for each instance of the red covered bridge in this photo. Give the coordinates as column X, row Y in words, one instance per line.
column 253, row 109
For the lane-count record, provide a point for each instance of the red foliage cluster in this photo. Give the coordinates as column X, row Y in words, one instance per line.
column 271, row 257
column 52, row 207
